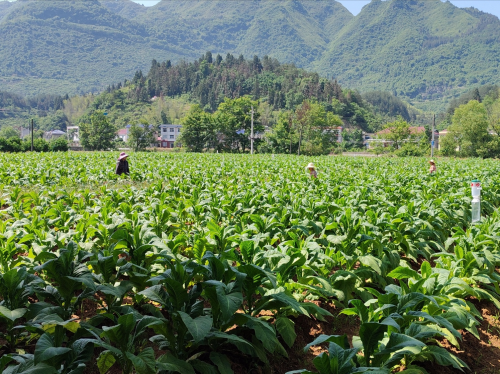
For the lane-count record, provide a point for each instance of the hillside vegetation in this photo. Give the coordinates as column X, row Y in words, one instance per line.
column 425, row 51
column 167, row 91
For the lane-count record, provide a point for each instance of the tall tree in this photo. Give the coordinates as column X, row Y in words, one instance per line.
column 141, row 136
column 235, row 119
column 316, row 128
column 469, row 129
column 398, row 132
column 199, row 130
column 97, row 134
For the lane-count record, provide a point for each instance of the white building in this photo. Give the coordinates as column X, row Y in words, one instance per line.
column 73, row 134
column 169, row 135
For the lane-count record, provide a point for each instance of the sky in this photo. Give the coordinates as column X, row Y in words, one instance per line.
column 354, row 6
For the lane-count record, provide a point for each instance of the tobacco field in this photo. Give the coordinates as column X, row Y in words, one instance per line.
column 212, row 263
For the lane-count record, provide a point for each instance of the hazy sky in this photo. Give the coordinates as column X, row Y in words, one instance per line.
column 354, row 6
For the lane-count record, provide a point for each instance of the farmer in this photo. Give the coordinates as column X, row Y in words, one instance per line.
column 312, row 170
column 122, row 164
column 432, row 168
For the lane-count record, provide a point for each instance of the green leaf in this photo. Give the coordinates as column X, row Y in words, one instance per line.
column 370, row 334
column 120, row 334
column 247, row 250
column 286, row 328
column 45, row 350
column 372, row 262
column 170, row 363
column 228, row 303
column 403, row 273
column 400, row 341
column 445, row 358
column 340, row 340
column 105, row 361
column 222, row 363
column 144, row 362
column 203, row 367
column 12, row 314
column 198, row 327
column 426, row 269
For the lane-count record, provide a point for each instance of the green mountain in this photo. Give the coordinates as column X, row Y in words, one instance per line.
column 422, row 50
column 426, row 51
column 71, row 47
column 291, row 31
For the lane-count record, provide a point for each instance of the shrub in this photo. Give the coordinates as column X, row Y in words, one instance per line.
column 40, row 145
column 59, row 145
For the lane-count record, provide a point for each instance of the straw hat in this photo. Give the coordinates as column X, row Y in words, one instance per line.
column 311, row 165
column 431, row 162
column 122, row 156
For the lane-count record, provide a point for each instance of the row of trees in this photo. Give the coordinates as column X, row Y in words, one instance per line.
column 97, row 134
column 309, row 129
column 14, row 144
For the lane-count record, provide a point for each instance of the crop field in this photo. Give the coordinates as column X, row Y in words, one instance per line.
column 212, row 263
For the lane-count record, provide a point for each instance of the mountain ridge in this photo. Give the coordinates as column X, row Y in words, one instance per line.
column 426, row 51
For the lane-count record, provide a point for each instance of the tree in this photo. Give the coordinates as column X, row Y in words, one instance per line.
column 141, row 136
column 317, row 129
column 234, row 119
column 398, row 132
column 8, row 132
column 59, row 145
column 469, row 128
column 283, row 137
column 199, row 130
column 97, row 134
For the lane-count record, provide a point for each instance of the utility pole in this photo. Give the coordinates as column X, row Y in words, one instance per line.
column 251, row 134
column 290, row 131
column 32, row 135
column 432, row 141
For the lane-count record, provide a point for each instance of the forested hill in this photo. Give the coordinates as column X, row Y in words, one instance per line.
column 418, row 49
column 165, row 93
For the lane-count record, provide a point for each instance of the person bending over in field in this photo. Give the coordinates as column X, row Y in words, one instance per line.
column 312, row 170
column 122, row 164
column 432, row 168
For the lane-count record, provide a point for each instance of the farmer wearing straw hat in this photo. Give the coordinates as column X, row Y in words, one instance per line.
column 312, row 170
column 432, row 169
column 122, row 164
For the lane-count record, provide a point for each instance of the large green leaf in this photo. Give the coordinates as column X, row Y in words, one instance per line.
column 403, row 273
column 12, row 314
column 199, row 327
column 45, row 350
column 445, row 358
column 222, row 363
column 144, row 362
column 286, row 328
column 120, row 334
column 370, row 334
column 169, row 362
column 228, row 303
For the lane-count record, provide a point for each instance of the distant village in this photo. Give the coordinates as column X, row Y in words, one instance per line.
column 166, row 138
column 169, row 134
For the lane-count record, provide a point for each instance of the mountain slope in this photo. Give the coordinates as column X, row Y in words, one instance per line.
column 292, row 31
column 424, row 50
column 71, row 46
column 124, row 8
column 417, row 49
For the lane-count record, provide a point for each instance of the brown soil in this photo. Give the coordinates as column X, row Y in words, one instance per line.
column 482, row 356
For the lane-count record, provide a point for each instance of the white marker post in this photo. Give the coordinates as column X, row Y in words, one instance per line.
column 476, row 200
